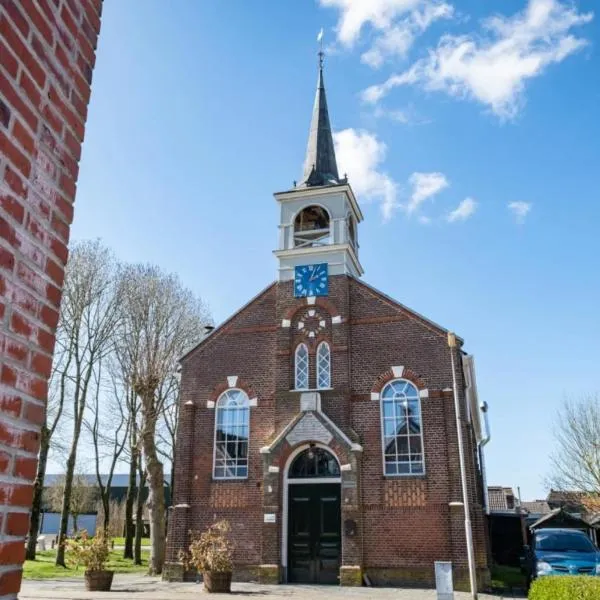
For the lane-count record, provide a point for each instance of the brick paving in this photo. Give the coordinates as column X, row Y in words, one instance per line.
column 136, row 587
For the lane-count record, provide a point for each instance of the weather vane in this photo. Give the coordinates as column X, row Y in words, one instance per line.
column 321, row 53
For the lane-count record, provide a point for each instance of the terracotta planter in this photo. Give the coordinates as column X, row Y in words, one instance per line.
column 98, row 581
column 217, row 582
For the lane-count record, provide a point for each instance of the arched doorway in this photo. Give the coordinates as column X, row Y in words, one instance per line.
column 312, row 533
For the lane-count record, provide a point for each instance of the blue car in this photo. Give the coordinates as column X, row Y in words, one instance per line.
column 561, row 552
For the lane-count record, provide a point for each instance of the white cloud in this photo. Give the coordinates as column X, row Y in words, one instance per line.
column 463, row 211
column 396, row 24
column 424, row 220
column 494, row 66
column 520, row 210
column 424, row 186
column 360, row 154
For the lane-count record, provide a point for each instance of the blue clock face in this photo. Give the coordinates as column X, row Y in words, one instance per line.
column 311, row 280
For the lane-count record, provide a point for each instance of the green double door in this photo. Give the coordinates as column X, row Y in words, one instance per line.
column 314, row 533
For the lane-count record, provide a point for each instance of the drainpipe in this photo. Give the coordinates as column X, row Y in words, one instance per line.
column 463, row 472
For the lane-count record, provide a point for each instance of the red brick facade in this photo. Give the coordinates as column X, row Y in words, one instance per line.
column 403, row 524
column 47, row 52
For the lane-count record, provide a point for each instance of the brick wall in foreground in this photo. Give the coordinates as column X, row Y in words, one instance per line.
column 47, row 55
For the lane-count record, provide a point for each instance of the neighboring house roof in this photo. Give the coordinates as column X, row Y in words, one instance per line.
column 536, row 507
column 501, row 498
column 560, row 515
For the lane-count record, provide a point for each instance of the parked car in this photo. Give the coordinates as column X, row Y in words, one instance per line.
column 560, row 552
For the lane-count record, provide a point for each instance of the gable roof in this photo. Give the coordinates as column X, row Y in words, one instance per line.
column 217, row 331
column 409, row 312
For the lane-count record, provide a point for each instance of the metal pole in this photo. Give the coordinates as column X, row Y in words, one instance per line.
column 463, row 473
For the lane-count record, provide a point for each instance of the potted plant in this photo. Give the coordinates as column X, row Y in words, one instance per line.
column 211, row 553
column 92, row 553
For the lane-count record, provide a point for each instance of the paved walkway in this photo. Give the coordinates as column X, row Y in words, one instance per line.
column 136, row 587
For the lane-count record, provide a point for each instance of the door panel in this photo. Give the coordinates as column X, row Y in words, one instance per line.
column 314, row 531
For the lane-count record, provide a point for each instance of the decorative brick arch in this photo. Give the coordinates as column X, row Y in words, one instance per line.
column 240, row 384
column 390, row 375
column 320, row 302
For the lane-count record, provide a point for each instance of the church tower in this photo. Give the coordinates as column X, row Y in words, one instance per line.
column 318, row 234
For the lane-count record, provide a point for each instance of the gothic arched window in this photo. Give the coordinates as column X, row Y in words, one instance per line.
column 232, row 430
column 312, row 227
column 301, row 368
column 401, row 429
column 323, row 366
column 314, row 462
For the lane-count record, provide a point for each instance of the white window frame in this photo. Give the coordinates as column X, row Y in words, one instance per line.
column 296, row 367
column 417, row 396
column 327, row 366
column 217, row 409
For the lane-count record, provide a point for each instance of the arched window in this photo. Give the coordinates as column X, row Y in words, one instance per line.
column 351, row 231
column 401, row 429
column 301, row 368
column 314, row 462
column 232, row 425
column 311, row 227
column 323, row 366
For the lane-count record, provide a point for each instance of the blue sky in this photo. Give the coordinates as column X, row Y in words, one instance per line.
column 200, row 111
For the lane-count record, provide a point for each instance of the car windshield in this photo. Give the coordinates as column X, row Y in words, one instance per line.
column 563, row 542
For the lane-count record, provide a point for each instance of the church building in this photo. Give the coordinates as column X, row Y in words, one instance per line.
column 319, row 419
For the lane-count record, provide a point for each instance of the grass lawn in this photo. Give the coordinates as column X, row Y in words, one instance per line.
column 43, row 567
column 507, row 577
column 120, row 541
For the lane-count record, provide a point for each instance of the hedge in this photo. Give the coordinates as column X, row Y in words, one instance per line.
column 565, row 587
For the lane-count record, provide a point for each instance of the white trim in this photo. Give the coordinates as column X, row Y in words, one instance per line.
column 181, row 506
column 398, row 371
column 286, row 323
column 374, row 396
column 210, row 404
column 273, row 469
column 253, row 402
column 232, row 380
column 424, row 393
column 353, row 446
column 287, row 481
column 189, row 403
column 311, row 300
column 336, row 320
column 346, row 467
column 448, row 389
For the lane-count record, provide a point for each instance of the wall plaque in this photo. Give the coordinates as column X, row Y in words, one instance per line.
column 270, row 518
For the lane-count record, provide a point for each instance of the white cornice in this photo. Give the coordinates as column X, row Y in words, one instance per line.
column 321, row 250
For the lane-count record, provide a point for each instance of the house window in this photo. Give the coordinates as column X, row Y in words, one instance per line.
column 232, row 424
column 401, row 429
column 311, row 228
column 323, row 366
column 301, row 368
column 314, row 462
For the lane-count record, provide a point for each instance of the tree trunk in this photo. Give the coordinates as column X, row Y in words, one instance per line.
column 66, row 506
column 38, row 489
column 64, row 516
column 156, row 485
column 131, row 493
column 139, row 518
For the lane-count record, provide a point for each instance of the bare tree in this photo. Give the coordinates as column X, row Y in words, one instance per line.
column 166, row 432
column 109, row 430
column 576, row 457
column 54, row 412
column 161, row 320
column 83, row 497
column 133, row 453
column 88, row 319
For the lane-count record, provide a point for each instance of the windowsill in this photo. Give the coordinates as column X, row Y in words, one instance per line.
column 329, row 389
column 226, row 479
column 406, row 476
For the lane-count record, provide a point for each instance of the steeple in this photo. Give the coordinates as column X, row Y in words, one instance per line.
column 320, row 167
